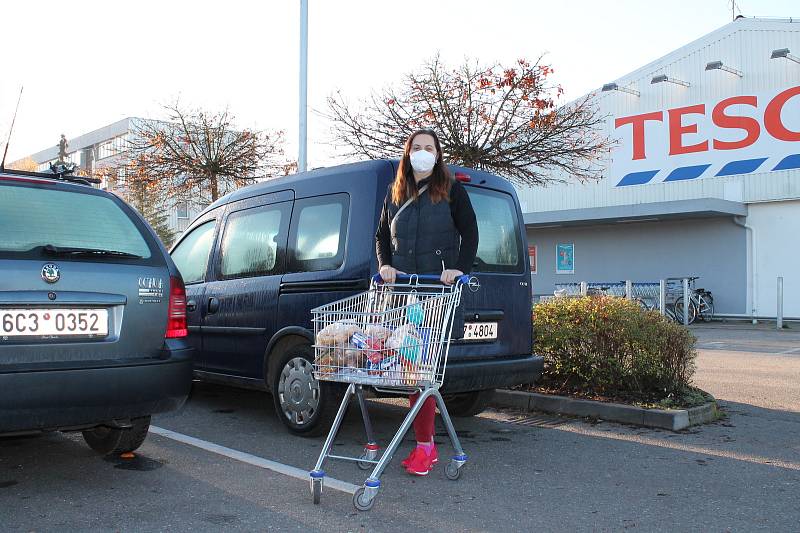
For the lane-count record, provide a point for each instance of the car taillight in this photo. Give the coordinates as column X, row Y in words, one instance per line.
column 460, row 176
column 176, row 314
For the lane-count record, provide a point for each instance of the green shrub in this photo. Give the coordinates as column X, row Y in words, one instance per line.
column 606, row 345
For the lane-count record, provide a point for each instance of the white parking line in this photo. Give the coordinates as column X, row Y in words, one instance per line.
column 287, row 470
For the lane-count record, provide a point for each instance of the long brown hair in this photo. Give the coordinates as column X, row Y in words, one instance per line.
column 405, row 186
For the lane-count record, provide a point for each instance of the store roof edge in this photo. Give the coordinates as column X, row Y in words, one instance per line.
column 698, row 208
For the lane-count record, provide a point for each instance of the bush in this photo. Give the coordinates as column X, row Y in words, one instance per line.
column 610, row 346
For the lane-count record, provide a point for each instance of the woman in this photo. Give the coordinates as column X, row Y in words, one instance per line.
column 427, row 226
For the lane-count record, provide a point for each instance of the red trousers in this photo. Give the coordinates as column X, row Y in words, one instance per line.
column 423, row 423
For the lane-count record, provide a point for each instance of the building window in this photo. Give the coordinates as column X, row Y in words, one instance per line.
column 112, row 147
column 183, row 209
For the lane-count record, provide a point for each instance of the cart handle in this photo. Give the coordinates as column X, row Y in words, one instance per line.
column 463, row 279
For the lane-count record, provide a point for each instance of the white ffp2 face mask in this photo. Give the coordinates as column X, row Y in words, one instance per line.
column 422, row 161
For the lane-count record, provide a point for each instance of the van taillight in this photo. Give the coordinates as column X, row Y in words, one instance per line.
column 460, row 176
column 176, row 314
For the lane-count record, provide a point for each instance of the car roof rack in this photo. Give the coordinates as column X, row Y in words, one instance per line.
column 60, row 172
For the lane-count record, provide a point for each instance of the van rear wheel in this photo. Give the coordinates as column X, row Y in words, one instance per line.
column 466, row 404
column 304, row 405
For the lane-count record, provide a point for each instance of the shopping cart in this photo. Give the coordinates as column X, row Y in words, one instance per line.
column 394, row 337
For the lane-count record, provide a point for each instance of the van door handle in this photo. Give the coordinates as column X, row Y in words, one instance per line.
column 191, row 306
column 213, row 305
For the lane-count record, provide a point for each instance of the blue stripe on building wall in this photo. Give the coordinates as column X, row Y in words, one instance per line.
column 788, row 162
column 686, row 173
column 637, row 178
column 745, row 166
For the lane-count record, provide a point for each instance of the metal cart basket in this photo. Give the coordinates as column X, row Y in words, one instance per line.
column 393, row 337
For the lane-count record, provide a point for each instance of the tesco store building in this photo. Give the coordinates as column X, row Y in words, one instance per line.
column 704, row 179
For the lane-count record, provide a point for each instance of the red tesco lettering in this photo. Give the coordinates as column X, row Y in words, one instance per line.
column 679, row 122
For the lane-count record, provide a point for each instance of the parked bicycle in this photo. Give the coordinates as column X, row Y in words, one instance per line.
column 701, row 304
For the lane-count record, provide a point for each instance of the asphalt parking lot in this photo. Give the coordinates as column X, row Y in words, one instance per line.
column 212, row 466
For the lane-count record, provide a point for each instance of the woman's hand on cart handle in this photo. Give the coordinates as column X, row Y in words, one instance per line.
column 389, row 274
column 450, row 275
column 416, row 278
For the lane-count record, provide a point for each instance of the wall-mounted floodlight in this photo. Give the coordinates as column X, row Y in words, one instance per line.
column 661, row 78
column 717, row 65
column 784, row 52
column 614, row 87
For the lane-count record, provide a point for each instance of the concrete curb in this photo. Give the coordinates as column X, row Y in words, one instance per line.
column 672, row 419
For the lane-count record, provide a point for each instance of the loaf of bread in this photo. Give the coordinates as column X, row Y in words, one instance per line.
column 337, row 333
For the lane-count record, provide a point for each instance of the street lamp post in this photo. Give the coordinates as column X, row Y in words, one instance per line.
column 302, row 157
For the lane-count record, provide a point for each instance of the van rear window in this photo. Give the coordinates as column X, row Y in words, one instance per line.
column 32, row 217
column 499, row 245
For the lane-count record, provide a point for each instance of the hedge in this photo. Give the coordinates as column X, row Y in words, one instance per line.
column 610, row 346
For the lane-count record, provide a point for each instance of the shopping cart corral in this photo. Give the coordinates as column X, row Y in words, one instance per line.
column 394, row 337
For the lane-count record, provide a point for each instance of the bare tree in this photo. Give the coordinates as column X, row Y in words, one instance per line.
column 201, row 155
column 505, row 120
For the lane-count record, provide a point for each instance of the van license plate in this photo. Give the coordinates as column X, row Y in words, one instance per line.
column 56, row 322
column 480, row 330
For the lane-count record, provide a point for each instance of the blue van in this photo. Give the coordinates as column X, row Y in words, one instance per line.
column 257, row 261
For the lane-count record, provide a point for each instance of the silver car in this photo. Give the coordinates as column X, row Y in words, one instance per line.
column 92, row 315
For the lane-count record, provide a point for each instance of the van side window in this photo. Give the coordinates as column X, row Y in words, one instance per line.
column 252, row 242
column 318, row 234
column 191, row 254
column 499, row 245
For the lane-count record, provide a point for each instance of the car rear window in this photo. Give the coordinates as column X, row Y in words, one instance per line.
column 499, row 244
column 31, row 217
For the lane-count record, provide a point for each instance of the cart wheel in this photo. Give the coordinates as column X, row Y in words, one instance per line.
column 452, row 471
column 368, row 455
column 316, row 490
column 361, row 502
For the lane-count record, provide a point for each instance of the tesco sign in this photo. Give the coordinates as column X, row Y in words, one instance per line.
column 735, row 135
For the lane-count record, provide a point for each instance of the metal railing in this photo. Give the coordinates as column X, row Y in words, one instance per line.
column 665, row 295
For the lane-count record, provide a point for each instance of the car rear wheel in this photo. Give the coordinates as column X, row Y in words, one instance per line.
column 111, row 441
column 304, row 405
column 468, row 403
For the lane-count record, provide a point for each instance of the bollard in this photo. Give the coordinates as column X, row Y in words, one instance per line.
column 780, row 303
column 628, row 289
column 685, row 301
column 584, row 288
column 662, row 296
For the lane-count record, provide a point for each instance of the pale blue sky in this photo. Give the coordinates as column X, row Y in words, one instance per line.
column 85, row 64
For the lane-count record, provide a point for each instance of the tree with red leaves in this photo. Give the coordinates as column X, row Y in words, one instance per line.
column 505, row 120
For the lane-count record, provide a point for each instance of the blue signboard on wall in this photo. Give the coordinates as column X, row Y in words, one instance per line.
column 565, row 258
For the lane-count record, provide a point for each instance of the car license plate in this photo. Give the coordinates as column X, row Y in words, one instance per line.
column 480, row 330
column 53, row 322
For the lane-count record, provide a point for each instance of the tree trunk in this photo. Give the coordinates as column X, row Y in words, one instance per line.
column 214, row 188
